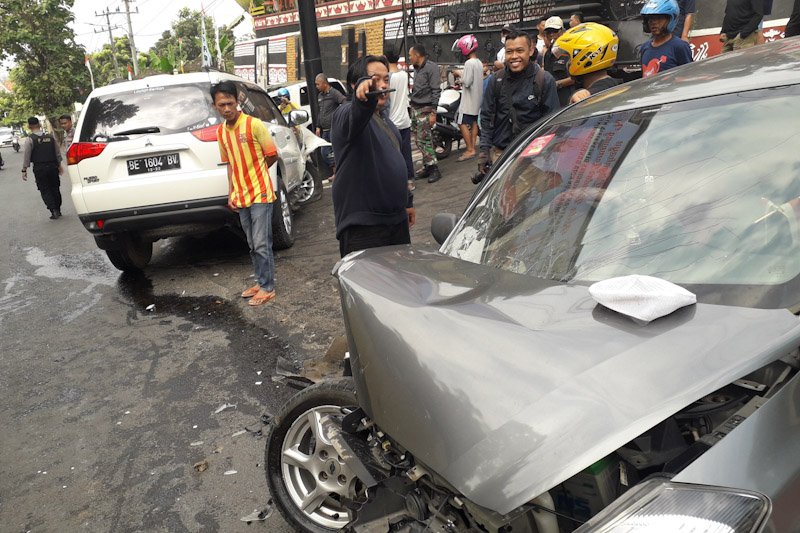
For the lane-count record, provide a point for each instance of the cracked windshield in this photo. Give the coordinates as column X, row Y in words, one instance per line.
column 613, row 195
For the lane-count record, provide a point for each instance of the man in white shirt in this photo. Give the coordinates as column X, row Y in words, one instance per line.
column 501, row 54
column 398, row 109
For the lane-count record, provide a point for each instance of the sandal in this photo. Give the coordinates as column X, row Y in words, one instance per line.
column 261, row 298
column 252, row 291
column 465, row 157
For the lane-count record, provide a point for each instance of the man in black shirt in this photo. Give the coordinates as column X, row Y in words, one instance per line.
column 329, row 99
column 515, row 98
column 371, row 201
column 42, row 150
column 740, row 25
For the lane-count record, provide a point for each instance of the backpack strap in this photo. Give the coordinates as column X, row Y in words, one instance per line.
column 538, row 84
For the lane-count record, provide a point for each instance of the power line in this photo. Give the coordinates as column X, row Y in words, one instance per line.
column 107, row 15
column 128, row 13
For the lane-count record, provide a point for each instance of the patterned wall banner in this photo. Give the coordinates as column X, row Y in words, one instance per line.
column 393, row 27
column 501, row 12
column 262, row 65
column 277, row 74
column 277, row 46
column 246, row 72
column 244, row 49
column 346, row 9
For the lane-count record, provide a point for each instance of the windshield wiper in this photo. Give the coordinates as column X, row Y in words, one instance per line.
column 133, row 131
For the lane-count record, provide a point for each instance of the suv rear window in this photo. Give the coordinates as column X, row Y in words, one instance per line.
column 172, row 109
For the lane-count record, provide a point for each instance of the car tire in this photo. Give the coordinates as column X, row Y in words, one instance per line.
column 441, row 145
column 310, row 188
column 292, row 433
column 282, row 219
column 133, row 255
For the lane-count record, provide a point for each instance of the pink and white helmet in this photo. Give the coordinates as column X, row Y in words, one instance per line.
column 466, row 44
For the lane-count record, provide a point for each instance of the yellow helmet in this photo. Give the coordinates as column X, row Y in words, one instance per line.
column 590, row 46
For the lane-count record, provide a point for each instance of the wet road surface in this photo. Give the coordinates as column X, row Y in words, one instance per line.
column 108, row 405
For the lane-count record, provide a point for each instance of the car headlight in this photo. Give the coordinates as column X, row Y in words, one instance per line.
column 658, row 505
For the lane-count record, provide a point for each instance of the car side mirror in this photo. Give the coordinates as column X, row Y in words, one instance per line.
column 442, row 226
column 298, row 117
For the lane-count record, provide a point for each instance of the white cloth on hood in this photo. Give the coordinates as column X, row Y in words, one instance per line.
column 641, row 297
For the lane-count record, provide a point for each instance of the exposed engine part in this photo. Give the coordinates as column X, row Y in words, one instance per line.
column 416, row 473
column 415, row 506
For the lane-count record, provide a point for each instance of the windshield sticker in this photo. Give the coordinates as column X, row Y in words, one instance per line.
column 537, row 145
column 148, row 90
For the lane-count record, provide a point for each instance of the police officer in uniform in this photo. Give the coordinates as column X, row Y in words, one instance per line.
column 42, row 150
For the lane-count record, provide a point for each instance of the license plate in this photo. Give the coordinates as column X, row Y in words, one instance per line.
column 154, row 163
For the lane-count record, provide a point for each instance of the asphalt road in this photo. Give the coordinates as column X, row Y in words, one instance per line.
column 107, row 406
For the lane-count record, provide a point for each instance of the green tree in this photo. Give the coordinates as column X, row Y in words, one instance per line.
column 49, row 74
column 182, row 44
column 13, row 110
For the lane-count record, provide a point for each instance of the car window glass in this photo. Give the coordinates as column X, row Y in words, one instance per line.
column 258, row 104
column 172, row 109
column 303, row 95
column 267, row 108
column 701, row 192
column 339, row 87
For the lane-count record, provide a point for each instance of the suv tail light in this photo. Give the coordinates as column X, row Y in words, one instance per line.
column 206, row 135
column 79, row 151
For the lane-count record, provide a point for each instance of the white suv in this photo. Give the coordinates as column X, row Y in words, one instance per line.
column 145, row 164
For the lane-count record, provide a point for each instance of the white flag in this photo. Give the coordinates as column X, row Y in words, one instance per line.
column 220, row 64
column 207, row 61
column 89, row 66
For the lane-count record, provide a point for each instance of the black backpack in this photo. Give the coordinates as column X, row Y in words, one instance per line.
column 499, row 89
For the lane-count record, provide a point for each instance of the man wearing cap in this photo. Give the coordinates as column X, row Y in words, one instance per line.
column 42, row 150
column 555, row 61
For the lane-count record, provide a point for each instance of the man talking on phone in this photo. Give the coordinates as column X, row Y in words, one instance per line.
column 371, row 201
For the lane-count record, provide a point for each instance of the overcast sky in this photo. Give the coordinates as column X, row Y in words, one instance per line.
column 154, row 17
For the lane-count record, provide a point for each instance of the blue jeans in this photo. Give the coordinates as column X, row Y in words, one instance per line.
column 257, row 225
column 327, row 151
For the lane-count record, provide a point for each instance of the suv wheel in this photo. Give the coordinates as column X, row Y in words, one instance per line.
column 310, row 188
column 133, row 256
column 282, row 223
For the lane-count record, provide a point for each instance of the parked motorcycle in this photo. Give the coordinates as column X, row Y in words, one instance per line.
column 446, row 131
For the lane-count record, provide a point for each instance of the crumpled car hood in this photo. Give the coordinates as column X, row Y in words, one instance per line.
column 507, row 385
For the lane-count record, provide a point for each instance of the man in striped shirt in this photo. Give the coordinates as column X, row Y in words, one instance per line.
column 246, row 146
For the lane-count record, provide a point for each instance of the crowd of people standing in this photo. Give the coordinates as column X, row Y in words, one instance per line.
column 533, row 76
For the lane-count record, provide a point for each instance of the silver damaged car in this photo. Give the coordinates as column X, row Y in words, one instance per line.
column 490, row 392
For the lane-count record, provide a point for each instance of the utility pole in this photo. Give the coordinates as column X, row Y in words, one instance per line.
column 312, row 60
column 107, row 15
column 128, row 13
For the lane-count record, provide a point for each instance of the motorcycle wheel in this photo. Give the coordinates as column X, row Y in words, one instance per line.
column 306, row 477
column 442, row 145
